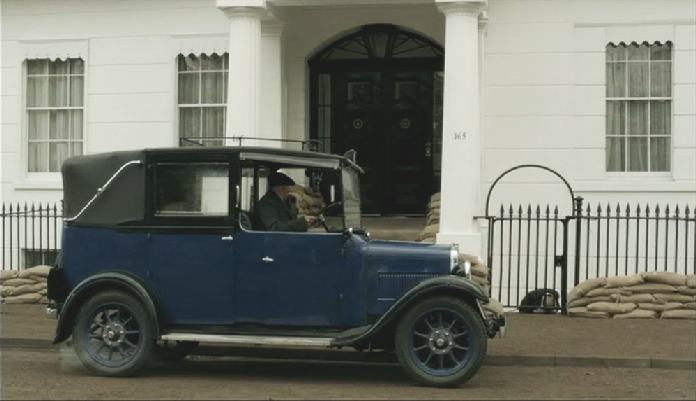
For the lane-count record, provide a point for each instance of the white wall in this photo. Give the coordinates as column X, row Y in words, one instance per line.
column 130, row 86
column 543, row 88
column 544, row 101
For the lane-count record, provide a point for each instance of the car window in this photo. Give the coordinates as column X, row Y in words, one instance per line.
column 315, row 189
column 191, row 189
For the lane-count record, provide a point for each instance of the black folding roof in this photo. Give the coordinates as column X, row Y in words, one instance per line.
column 123, row 199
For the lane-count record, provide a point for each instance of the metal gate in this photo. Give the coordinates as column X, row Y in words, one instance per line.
column 535, row 247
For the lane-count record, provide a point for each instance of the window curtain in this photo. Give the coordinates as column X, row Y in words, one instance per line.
column 202, row 98
column 54, row 112
column 638, row 107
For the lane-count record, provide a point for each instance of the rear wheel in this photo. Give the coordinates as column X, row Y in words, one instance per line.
column 441, row 342
column 113, row 334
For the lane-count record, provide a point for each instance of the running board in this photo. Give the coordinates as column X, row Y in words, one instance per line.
column 250, row 340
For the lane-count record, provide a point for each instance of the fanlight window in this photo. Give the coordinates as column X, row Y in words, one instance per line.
column 381, row 41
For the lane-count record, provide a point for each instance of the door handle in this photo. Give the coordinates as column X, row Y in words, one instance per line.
column 227, row 238
column 267, row 259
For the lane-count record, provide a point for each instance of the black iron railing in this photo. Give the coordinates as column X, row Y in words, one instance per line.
column 532, row 248
column 30, row 234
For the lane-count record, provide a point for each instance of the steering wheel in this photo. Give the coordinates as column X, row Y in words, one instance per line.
column 321, row 220
column 330, row 207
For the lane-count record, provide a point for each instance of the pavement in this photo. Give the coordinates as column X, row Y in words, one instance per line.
column 531, row 340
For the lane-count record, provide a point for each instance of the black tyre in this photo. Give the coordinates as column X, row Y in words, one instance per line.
column 173, row 351
column 113, row 334
column 441, row 342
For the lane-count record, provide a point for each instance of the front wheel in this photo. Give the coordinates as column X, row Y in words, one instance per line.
column 441, row 342
column 113, row 334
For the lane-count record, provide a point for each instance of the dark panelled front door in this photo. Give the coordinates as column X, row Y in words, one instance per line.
column 387, row 118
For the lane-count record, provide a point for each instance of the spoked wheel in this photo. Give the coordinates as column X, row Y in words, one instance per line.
column 113, row 334
column 441, row 342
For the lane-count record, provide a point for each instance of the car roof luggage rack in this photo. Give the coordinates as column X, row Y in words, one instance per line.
column 312, row 145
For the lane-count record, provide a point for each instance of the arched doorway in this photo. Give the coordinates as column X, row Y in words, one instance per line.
column 378, row 91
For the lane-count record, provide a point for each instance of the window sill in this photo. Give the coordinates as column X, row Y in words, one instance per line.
column 651, row 182
column 40, row 184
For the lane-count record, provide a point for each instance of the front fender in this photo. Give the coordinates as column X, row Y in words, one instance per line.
column 102, row 281
column 442, row 285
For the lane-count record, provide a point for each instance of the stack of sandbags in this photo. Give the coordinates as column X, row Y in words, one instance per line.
column 307, row 202
column 646, row 295
column 479, row 271
column 25, row 286
column 432, row 220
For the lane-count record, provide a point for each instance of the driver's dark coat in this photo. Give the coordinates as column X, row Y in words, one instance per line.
column 276, row 215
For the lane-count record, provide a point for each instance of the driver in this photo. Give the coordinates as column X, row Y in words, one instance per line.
column 274, row 210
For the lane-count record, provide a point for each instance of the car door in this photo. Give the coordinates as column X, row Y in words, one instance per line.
column 191, row 251
column 289, row 278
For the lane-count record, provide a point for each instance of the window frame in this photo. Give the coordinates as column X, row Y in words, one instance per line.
column 626, row 100
column 47, row 179
column 226, row 222
column 179, row 106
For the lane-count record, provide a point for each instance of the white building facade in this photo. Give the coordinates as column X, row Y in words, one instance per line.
column 433, row 94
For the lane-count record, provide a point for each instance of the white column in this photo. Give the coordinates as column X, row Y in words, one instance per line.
column 243, row 88
column 461, row 145
column 271, row 125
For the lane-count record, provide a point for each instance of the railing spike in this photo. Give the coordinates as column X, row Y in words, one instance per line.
column 657, row 210
column 686, row 211
column 638, row 209
column 599, row 208
column 547, row 209
column 676, row 210
column 647, row 209
column 608, row 209
column 538, row 210
column 511, row 210
column 555, row 210
column 667, row 210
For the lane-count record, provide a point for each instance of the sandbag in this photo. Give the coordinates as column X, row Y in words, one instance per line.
column 28, row 298
column 611, row 307
column 18, row 281
column 583, row 312
column 650, row 288
column 478, row 280
column 690, row 305
column 586, row 301
column 636, row 298
column 583, row 288
column 686, row 290
column 7, row 291
column 624, row 281
column 7, row 274
column 664, row 298
column 660, row 307
column 495, row 307
column 679, row 314
column 27, row 288
column 41, row 270
column 480, row 271
column 474, row 260
column 664, row 278
column 637, row 314
column 597, row 292
column 691, row 281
